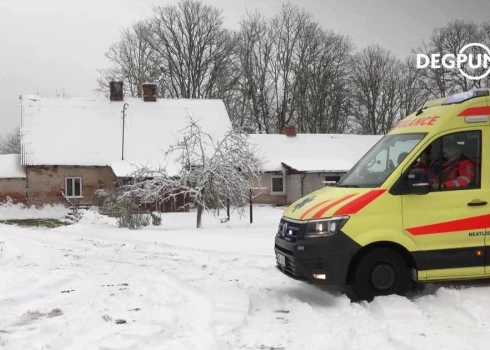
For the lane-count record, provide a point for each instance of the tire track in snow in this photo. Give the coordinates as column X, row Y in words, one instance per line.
column 31, row 280
column 282, row 313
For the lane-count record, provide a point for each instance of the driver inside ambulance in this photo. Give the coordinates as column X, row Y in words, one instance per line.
column 457, row 170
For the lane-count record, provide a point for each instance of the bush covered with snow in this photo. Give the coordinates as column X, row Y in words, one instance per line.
column 124, row 209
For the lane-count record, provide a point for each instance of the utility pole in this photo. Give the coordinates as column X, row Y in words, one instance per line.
column 123, row 118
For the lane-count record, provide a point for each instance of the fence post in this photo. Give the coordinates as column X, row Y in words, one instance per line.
column 228, row 207
column 251, row 211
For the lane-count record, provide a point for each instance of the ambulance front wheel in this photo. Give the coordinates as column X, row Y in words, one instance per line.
column 381, row 271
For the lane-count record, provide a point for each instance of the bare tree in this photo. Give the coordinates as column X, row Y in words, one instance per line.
column 293, row 71
column 287, row 27
column 320, row 97
column 133, row 61
column 256, row 86
column 411, row 88
column 193, row 49
column 212, row 171
column 450, row 39
column 10, row 143
column 376, row 75
column 286, row 69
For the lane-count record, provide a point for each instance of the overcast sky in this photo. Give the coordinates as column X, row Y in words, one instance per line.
column 58, row 44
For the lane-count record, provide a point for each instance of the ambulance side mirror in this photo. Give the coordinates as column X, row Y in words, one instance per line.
column 418, row 181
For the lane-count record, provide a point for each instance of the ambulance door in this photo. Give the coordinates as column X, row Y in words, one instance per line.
column 449, row 225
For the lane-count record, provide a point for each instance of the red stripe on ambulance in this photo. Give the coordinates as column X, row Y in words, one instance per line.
column 322, row 211
column 472, row 223
column 359, row 203
column 472, row 111
column 313, row 207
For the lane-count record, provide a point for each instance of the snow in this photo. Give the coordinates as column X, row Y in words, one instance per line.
column 88, row 132
column 9, row 210
column 92, row 285
column 10, row 167
column 313, row 152
column 124, row 168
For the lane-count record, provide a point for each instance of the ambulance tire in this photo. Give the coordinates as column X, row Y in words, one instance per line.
column 382, row 271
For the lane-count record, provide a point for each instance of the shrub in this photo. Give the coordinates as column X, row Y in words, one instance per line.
column 124, row 208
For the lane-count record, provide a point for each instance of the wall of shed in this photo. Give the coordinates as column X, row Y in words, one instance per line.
column 45, row 184
column 15, row 189
column 297, row 186
column 265, row 196
column 311, row 183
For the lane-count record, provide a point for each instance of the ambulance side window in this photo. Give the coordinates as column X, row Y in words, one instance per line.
column 453, row 161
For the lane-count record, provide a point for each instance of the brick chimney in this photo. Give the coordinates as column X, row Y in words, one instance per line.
column 149, row 92
column 290, row 130
column 116, row 90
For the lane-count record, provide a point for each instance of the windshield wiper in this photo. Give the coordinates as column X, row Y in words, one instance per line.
column 353, row 186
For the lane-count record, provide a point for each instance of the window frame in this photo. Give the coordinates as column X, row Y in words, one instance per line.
column 397, row 188
column 380, row 147
column 283, row 185
column 73, row 186
column 477, row 186
column 331, row 183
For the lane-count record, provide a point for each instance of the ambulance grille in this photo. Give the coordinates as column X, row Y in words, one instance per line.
column 293, row 232
column 313, row 263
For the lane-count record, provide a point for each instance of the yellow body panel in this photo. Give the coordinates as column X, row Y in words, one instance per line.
column 458, row 274
column 376, row 216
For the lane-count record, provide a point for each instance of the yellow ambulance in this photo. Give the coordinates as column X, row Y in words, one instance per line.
column 413, row 209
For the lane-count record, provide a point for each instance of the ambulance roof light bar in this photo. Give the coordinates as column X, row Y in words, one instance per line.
column 465, row 96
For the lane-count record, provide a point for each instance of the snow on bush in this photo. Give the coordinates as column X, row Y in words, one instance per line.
column 93, row 217
column 9, row 210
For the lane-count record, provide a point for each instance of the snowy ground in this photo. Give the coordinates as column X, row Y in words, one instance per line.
column 94, row 286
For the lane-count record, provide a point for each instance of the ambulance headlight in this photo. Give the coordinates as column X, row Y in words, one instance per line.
column 327, row 227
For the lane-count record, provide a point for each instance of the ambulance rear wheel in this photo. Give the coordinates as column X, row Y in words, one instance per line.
column 381, row 271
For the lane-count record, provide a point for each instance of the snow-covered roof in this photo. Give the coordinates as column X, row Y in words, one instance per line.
column 88, row 131
column 10, row 167
column 313, row 152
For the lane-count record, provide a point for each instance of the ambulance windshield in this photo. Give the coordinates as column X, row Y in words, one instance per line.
column 379, row 162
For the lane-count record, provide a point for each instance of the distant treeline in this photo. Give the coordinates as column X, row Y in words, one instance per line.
column 282, row 70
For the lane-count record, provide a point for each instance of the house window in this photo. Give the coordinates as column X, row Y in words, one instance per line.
column 277, row 185
column 73, row 187
column 331, row 180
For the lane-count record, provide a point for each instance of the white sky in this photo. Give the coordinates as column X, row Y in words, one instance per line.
column 54, row 44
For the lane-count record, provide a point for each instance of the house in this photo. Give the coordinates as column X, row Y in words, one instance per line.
column 298, row 164
column 71, row 147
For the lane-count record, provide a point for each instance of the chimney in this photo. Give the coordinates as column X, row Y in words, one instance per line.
column 290, row 130
column 149, row 92
column 116, row 89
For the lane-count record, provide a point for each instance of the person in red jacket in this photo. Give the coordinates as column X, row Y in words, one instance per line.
column 427, row 162
column 457, row 170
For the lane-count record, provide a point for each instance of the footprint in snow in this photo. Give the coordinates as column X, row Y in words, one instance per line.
column 32, row 316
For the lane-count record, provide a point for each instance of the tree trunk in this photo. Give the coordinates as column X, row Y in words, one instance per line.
column 200, row 210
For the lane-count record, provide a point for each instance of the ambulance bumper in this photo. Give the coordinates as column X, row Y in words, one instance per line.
column 317, row 261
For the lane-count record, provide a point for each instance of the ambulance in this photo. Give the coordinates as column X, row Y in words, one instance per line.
column 413, row 209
